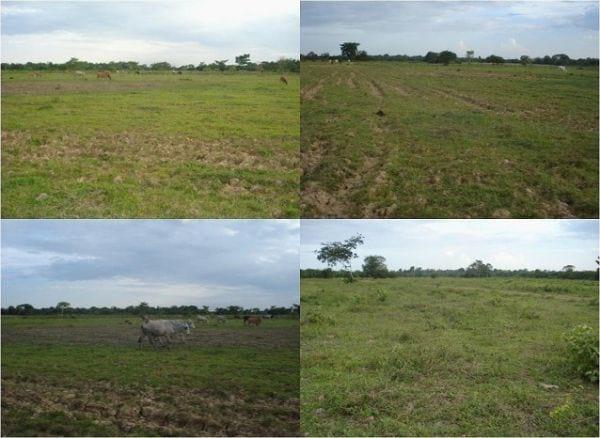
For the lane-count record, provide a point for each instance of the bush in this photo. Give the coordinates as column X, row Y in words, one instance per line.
column 582, row 343
column 381, row 295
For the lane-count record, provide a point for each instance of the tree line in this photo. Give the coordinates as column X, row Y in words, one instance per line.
column 374, row 267
column 144, row 308
column 341, row 253
column 349, row 50
column 242, row 63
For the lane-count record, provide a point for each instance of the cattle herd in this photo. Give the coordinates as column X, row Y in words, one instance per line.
column 162, row 332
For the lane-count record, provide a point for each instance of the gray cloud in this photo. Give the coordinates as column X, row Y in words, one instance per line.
column 485, row 26
column 180, row 32
column 254, row 259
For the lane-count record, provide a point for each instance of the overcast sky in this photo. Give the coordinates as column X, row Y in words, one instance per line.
column 508, row 29
column 179, row 32
column 452, row 244
column 252, row 263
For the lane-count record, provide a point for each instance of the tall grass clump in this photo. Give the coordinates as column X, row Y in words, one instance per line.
column 582, row 343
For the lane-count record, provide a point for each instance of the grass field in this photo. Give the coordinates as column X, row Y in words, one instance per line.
column 152, row 145
column 387, row 139
column 444, row 357
column 86, row 376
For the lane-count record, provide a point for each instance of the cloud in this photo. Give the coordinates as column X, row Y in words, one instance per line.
column 414, row 28
column 19, row 10
column 224, row 255
column 180, row 32
column 451, row 244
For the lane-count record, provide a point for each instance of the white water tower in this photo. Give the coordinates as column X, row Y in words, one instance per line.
column 470, row 55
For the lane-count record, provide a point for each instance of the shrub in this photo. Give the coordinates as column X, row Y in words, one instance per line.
column 317, row 317
column 381, row 295
column 582, row 343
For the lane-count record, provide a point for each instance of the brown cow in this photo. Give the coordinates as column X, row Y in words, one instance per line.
column 103, row 74
column 283, row 80
column 255, row 320
column 35, row 74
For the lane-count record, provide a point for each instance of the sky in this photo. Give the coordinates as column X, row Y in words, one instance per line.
column 179, row 32
column 250, row 263
column 452, row 244
column 508, row 29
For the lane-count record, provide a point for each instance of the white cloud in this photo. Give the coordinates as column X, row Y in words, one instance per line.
column 514, row 48
column 19, row 10
column 230, row 232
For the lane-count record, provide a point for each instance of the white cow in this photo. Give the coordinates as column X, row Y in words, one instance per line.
column 562, row 68
column 163, row 328
column 202, row 319
column 221, row 319
column 80, row 73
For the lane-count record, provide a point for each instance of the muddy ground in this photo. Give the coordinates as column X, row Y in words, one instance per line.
column 125, row 334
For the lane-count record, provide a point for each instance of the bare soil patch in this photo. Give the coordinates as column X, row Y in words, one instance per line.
column 147, row 149
column 122, row 334
column 469, row 101
column 376, row 89
column 350, row 80
column 311, row 92
column 166, row 412
column 75, row 86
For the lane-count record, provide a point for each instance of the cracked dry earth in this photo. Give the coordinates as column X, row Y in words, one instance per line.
column 113, row 410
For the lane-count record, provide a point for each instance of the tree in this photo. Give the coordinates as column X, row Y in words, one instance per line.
column 431, row 57
column 479, row 269
column 311, row 55
column 243, row 60
column 560, row 59
column 494, row 59
column 221, row 65
column 374, row 267
column 362, row 55
column 334, row 253
column 62, row 306
column 201, row 66
column 568, row 268
column 446, row 57
column 161, row 66
column 525, row 60
column 24, row 309
column 143, row 308
column 349, row 50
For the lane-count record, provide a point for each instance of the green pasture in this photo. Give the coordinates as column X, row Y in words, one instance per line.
column 405, row 140
column 150, row 145
column 445, row 357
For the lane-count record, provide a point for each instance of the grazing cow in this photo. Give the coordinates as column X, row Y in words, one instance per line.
column 103, row 74
column 221, row 319
column 562, row 68
column 252, row 320
column 267, row 316
column 163, row 328
column 35, row 74
column 202, row 319
column 331, row 61
column 283, row 80
column 79, row 73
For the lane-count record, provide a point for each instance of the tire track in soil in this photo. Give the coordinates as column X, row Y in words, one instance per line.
column 310, row 93
column 371, row 176
column 468, row 101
